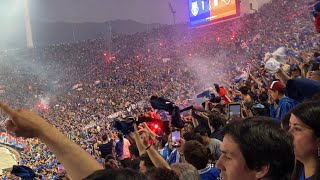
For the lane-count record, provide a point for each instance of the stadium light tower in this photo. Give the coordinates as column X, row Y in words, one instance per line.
column 173, row 13
column 28, row 24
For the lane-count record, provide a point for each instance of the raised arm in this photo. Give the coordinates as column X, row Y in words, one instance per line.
column 152, row 134
column 283, row 76
column 138, row 140
column 194, row 121
column 77, row 162
column 256, row 80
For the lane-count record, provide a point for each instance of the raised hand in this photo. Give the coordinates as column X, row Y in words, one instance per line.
column 24, row 123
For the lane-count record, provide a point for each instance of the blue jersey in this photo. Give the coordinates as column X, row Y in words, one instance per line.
column 209, row 173
column 164, row 152
column 302, row 177
column 285, row 105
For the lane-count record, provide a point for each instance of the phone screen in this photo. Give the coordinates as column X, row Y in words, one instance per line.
column 235, row 111
column 176, row 139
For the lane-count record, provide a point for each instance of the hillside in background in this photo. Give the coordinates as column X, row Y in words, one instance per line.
column 13, row 35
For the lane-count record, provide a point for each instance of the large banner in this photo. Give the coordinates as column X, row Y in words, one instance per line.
column 7, row 139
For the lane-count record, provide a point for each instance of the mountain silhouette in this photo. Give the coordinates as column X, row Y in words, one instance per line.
column 45, row 33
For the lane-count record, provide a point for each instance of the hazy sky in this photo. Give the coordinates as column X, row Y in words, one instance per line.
column 145, row 11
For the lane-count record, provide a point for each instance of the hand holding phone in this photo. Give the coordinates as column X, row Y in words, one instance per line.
column 234, row 111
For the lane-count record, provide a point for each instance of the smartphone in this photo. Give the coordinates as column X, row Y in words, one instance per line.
column 234, row 111
column 175, row 138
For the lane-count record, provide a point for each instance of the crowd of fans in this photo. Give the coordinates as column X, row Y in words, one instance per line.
column 91, row 91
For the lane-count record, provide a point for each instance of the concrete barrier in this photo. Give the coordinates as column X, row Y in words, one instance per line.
column 8, row 157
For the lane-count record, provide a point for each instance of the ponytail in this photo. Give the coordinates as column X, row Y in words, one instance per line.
column 120, row 136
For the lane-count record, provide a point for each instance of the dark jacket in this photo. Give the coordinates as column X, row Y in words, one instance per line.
column 217, row 134
column 301, row 89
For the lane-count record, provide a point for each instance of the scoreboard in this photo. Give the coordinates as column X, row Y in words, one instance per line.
column 208, row 11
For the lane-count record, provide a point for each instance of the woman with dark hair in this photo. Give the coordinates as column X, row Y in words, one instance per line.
column 305, row 129
column 285, row 121
column 119, row 146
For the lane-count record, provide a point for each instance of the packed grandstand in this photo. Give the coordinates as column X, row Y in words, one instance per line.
column 86, row 89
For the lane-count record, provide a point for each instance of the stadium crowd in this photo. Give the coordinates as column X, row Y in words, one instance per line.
column 91, row 91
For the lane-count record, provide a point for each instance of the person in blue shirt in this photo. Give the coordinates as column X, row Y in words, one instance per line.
column 119, row 146
column 279, row 103
column 3, row 177
column 174, row 157
column 197, row 155
column 163, row 147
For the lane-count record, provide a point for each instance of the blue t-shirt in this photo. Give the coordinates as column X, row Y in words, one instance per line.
column 174, row 157
column 209, row 173
column 285, row 105
column 164, row 152
column 302, row 177
column 119, row 148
